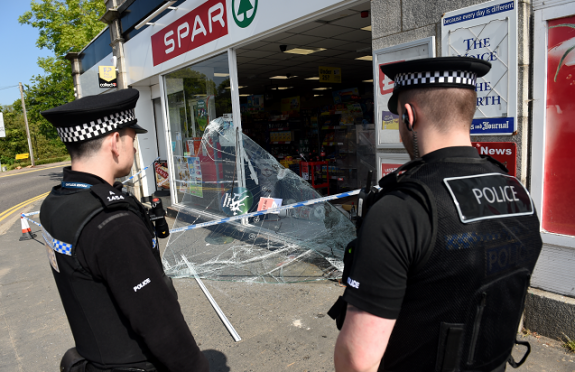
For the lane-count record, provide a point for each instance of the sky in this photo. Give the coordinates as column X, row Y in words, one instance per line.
column 18, row 61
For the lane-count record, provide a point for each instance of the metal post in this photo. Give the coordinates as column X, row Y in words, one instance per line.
column 27, row 129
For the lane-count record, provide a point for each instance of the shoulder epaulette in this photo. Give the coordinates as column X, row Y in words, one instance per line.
column 111, row 198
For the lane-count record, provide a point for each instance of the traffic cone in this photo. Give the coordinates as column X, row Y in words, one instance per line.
column 26, row 231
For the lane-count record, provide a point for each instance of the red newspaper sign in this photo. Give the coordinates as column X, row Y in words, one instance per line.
column 504, row 152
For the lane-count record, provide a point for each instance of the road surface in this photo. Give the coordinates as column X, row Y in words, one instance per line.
column 18, row 188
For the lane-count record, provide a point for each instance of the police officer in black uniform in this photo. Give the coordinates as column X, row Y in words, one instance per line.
column 441, row 266
column 122, row 309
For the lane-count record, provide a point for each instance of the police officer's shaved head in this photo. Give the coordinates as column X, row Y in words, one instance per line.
column 443, row 107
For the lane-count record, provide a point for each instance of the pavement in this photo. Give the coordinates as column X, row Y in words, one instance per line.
column 284, row 327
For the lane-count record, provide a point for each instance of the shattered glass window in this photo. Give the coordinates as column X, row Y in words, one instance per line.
column 302, row 243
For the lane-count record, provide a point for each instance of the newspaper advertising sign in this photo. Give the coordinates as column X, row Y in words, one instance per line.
column 389, row 162
column 488, row 31
column 386, row 123
column 2, row 129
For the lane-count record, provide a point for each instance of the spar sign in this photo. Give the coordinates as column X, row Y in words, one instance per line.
column 204, row 24
column 488, row 31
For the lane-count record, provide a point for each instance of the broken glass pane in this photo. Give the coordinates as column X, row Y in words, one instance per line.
column 302, row 243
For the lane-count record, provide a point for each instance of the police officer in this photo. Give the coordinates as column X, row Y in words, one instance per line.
column 443, row 259
column 122, row 309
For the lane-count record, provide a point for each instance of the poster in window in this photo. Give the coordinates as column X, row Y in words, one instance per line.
column 558, row 215
column 386, row 123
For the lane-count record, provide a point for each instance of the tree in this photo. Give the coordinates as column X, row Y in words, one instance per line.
column 65, row 26
column 15, row 141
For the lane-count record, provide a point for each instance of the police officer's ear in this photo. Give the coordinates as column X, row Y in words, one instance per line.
column 408, row 116
column 114, row 141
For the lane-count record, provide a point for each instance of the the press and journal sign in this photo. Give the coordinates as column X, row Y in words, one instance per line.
column 488, row 31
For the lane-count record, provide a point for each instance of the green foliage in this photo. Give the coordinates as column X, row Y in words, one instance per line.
column 64, row 26
column 569, row 344
column 16, row 142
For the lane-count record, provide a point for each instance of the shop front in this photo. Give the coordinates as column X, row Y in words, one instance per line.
column 294, row 81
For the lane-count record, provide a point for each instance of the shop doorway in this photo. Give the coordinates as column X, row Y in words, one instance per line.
column 306, row 97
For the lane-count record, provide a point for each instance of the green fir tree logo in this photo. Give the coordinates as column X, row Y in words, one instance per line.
column 244, row 11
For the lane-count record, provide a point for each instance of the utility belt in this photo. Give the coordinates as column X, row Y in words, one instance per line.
column 72, row 361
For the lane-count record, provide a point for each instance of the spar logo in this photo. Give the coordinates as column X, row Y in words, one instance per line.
column 244, row 11
column 202, row 25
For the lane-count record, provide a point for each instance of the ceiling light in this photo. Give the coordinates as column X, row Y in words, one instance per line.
column 365, row 58
column 245, row 95
column 303, row 51
column 240, row 87
column 368, row 81
column 221, row 74
column 282, row 77
column 322, row 88
column 318, row 95
column 282, row 88
column 366, row 28
column 312, row 78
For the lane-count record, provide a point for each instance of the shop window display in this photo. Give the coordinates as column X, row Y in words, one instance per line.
column 335, row 134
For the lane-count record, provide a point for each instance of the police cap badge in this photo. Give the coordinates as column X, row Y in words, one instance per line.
column 440, row 72
column 92, row 117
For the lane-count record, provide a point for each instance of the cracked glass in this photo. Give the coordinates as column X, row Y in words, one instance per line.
column 297, row 243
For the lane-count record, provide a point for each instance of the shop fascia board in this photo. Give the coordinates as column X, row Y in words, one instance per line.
column 139, row 47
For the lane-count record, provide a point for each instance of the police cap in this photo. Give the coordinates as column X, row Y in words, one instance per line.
column 440, row 72
column 92, row 117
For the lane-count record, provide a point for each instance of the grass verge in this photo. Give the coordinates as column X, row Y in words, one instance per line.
column 26, row 163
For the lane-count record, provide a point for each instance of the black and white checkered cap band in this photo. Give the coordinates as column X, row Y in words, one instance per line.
column 435, row 77
column 97, row 127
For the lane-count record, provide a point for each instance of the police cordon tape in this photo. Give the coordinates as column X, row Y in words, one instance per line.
column 266, row 211
column 143, row 170
column 247, row 215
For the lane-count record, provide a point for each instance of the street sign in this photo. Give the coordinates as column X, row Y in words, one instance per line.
column 504, row 152
column 2, row 130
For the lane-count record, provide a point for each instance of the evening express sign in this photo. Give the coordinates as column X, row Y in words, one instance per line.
column 488, row 31
column 205, row 23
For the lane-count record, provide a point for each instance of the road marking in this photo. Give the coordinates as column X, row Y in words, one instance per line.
column 9, row 211
column 35, row 170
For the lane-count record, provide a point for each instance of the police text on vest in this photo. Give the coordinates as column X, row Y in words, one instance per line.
column 492, row 194
column 141, row 285
column 353, row 283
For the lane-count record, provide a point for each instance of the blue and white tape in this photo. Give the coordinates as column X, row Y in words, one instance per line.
column 272, row 210
column 247, row 215
column 31, row 220
column 143, row 170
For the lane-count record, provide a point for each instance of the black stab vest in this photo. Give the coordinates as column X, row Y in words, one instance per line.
column 463, row 303
column 102, row 333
